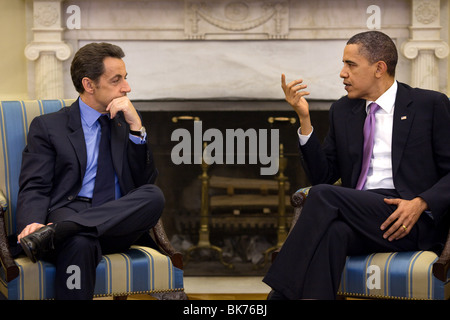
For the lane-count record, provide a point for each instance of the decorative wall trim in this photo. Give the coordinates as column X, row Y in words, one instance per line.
column 255, row 19
column 425, row 45
column 233, row 49
column 48, row 50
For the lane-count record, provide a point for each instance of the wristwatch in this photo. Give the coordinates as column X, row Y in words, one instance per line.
column 140, row 133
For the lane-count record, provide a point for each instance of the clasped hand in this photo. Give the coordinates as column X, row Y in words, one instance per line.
column 124, row 104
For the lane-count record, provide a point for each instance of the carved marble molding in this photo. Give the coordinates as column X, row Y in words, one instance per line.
column 47, row 49
column 411, row 49
column 248, row 19
column 426, row 12
column 160, row 37
column 425, row 45
column 47, row 31
column 61, row 50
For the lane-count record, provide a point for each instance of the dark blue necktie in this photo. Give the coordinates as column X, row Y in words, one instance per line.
column 104, row 189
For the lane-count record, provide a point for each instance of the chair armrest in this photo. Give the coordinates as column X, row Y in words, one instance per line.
column 7, row 262
column 298, row 201
column 442, row 265
column 299, row 197
column 164, row 243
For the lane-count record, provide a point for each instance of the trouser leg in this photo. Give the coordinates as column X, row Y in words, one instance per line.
column 148, row 204
column 112, row 227
column 76, row 261
column 138, row 209
column 362, row 211
column 323, row 274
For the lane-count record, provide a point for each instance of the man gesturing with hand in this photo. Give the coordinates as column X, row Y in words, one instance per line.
column 387, row 143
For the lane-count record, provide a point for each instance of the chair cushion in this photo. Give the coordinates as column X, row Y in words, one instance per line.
column 404, row 275
column 138, row 270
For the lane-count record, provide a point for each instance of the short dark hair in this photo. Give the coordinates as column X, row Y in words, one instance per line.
column 88, row 62
column 377, row 46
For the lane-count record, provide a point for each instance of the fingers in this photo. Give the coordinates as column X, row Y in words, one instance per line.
column 295, row 95
column 403, row 219
column 293, row 86
column 29, row 229
column 116, row 105
column 396, row 232
column 283, row 82
column 400, row 223
column 124, row 104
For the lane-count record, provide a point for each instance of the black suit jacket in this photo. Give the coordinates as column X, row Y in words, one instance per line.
column 54, row 163
column 420, row 147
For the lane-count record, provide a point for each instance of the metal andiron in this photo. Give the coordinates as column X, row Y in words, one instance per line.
column 281, row 227
column 246, row 206
column 203, row 240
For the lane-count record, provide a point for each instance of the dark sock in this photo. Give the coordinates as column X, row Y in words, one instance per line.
column 65, row 229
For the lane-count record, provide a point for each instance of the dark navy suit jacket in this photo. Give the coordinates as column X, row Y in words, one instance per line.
column 54, row 163
column 420, row 148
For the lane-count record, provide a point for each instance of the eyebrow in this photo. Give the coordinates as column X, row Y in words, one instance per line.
column 118, row 76
column 349, row 61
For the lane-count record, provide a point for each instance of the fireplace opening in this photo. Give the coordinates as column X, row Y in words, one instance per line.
column 242, row 233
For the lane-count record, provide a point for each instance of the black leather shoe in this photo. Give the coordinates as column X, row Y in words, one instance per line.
column 38, row 243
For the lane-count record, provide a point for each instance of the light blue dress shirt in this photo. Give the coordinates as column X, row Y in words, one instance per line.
column 91, row 129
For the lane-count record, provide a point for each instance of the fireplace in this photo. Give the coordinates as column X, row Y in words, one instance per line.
column 181, row 183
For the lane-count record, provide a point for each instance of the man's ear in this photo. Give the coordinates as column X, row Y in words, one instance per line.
column 381, row 69
column 88, row 85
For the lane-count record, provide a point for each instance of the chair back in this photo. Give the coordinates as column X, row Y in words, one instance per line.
column 15, row 119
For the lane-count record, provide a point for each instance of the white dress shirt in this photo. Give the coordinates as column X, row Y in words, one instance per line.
column 380, row 168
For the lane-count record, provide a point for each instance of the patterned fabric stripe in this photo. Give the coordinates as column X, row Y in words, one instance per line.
column 33, row 281
column 12, row 142
column 399, row 274
column 378, row 262
column 138, row 270
column 146, row 277
column 353, row 280
column 421, row 282
column 159, row 275
column 110, row 274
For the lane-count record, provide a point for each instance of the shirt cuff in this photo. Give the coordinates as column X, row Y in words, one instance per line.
column 138, row 140
column 302, row 138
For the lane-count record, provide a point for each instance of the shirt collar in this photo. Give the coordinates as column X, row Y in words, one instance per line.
column 88, row 114
column 387, row 100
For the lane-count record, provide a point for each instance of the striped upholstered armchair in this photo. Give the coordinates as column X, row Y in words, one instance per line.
column 416, row 275
column 138, row 270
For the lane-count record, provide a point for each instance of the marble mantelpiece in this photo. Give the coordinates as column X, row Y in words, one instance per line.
column 237, row 49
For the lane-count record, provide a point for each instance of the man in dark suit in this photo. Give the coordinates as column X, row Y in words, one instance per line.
column 401, row 204
column 63, row 211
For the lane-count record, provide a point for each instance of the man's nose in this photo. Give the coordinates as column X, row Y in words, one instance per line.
column 126, row 88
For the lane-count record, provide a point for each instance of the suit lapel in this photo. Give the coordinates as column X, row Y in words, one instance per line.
column 355, row 125
column 403, row 119
column 76, row 136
